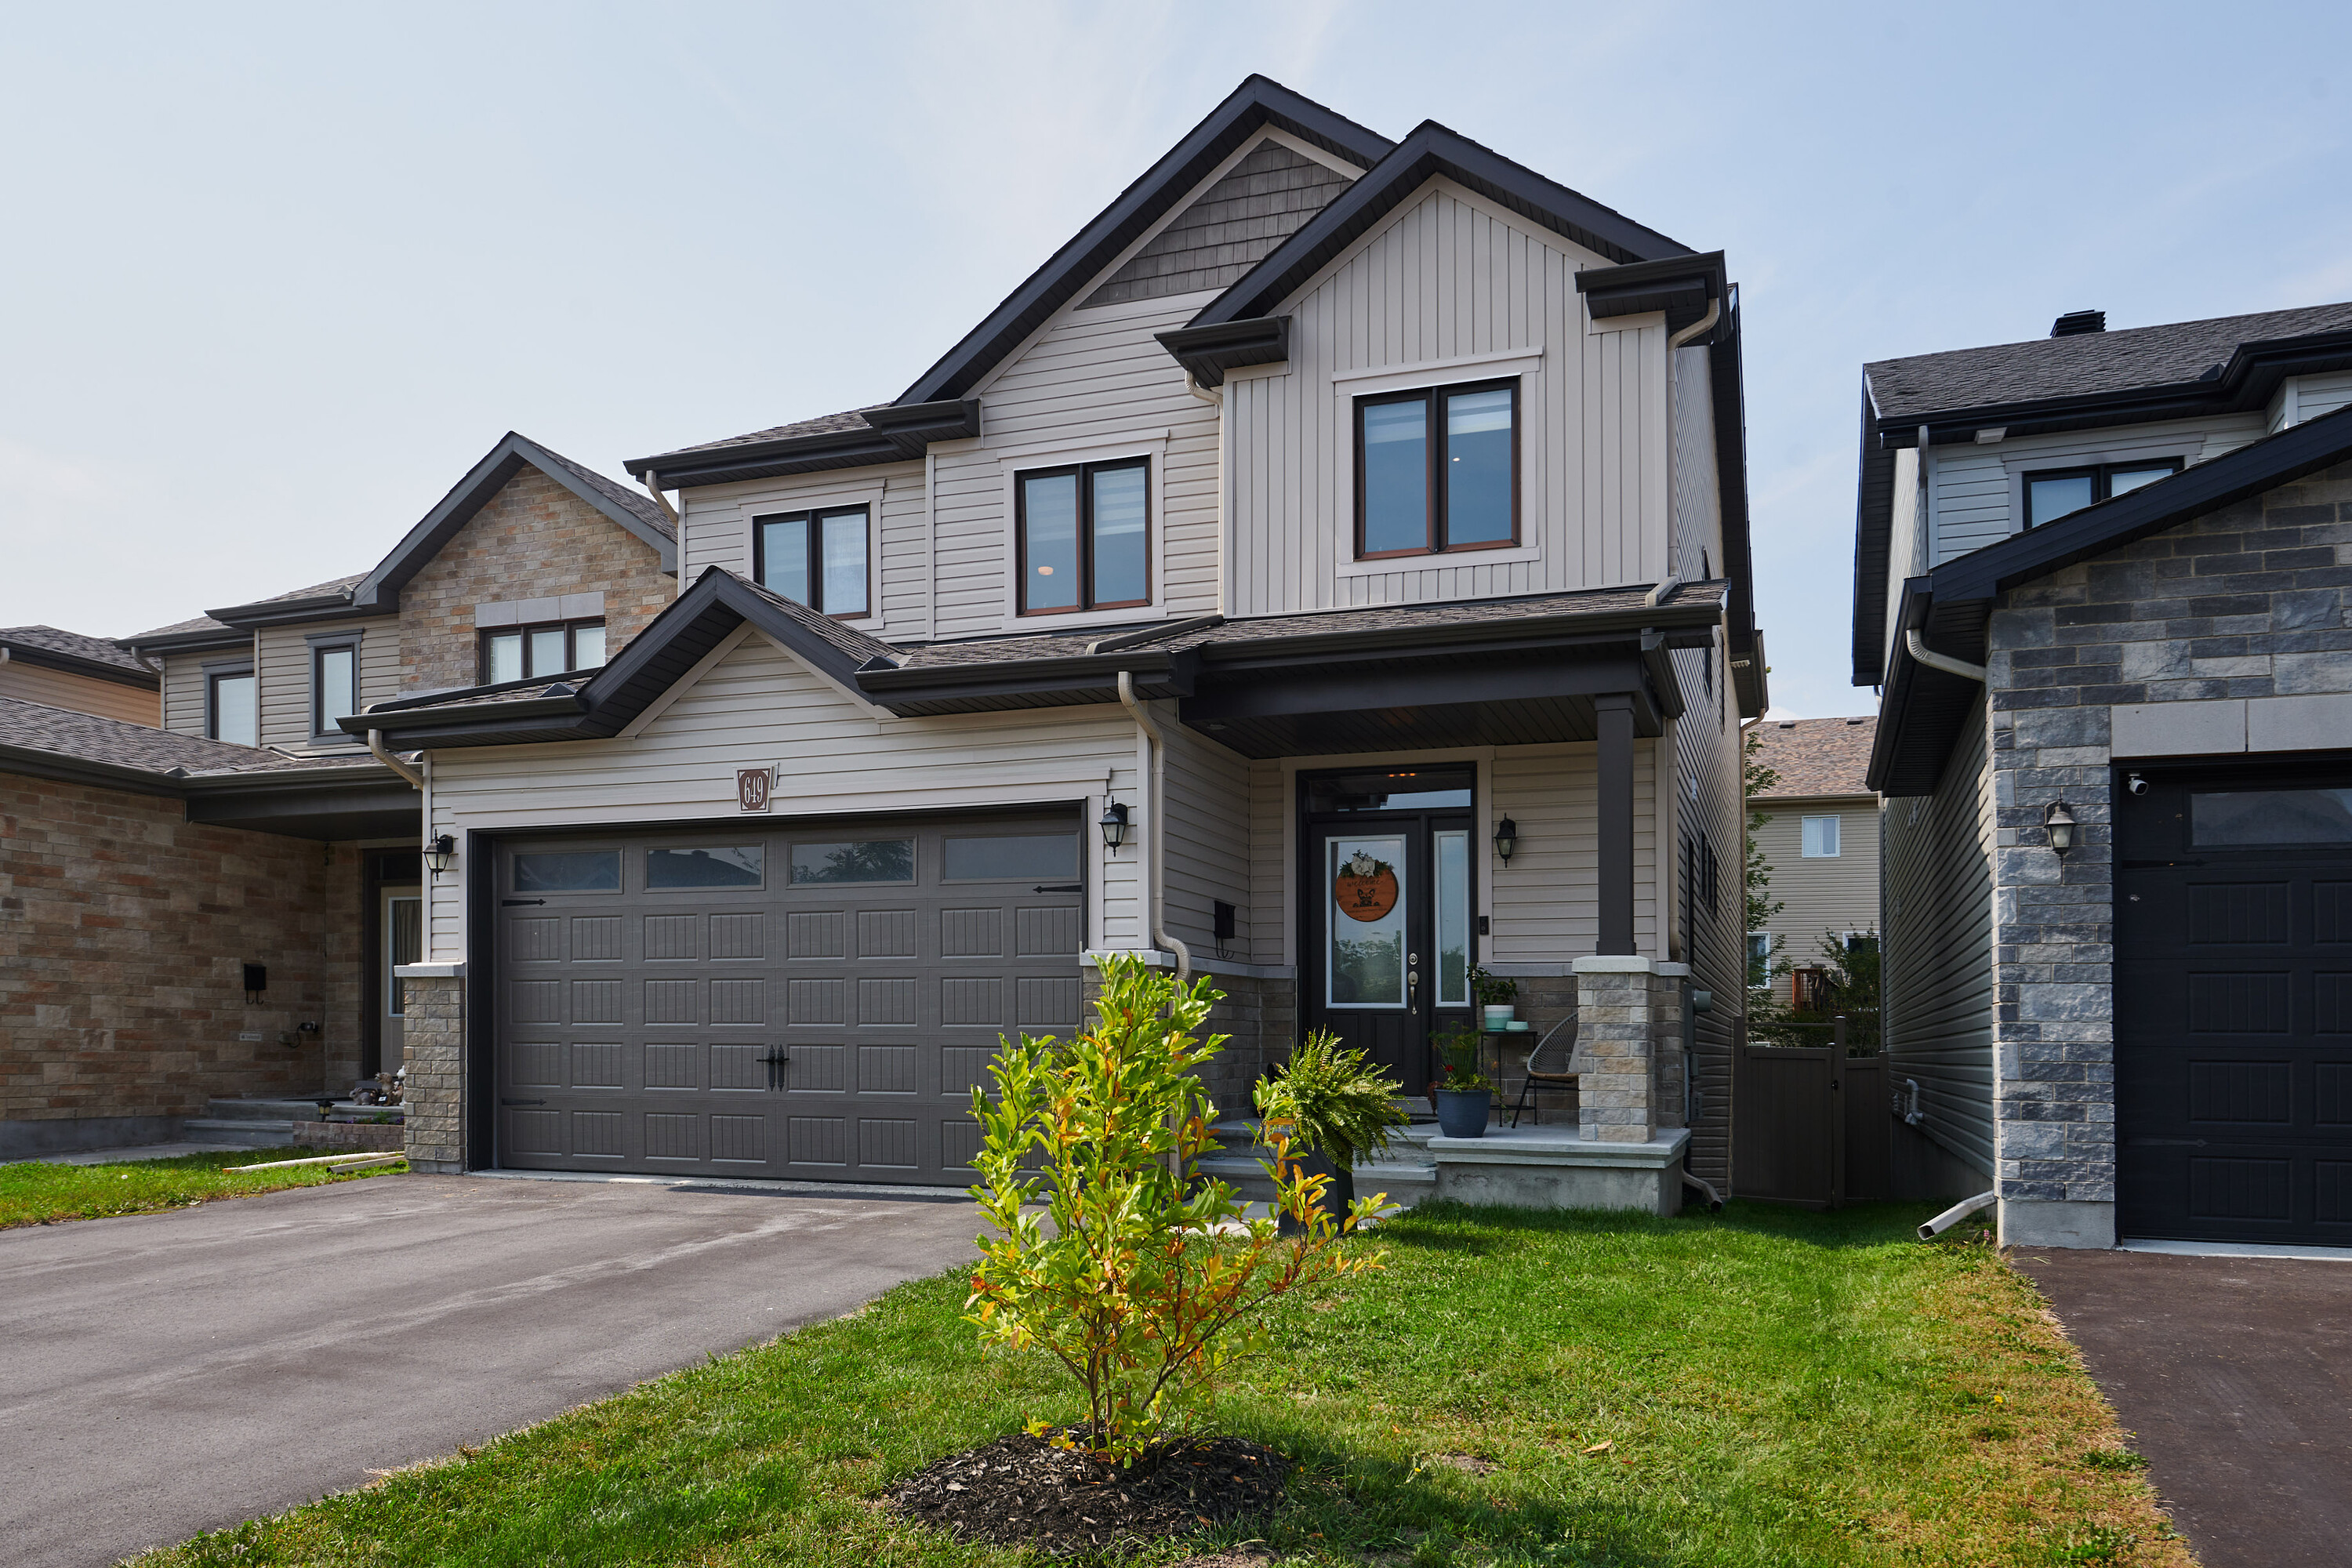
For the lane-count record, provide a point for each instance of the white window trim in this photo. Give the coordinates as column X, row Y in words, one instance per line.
column 1437, row 375
column 1015, row 462
column 1837, row 832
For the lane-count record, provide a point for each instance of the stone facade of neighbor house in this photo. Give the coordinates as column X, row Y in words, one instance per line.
column 534, row 543
column 124, row 931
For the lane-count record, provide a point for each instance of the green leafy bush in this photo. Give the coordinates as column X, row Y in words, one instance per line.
column 1142, row 1283
column 1331, row 1101
column 1459, row 1070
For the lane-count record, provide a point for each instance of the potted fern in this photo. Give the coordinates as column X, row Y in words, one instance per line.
column 1337, row 1105
column 1464, row 1096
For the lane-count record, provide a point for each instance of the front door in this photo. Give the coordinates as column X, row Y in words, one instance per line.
column 1389, row 930
column 401, row 921
column 2233, row 1004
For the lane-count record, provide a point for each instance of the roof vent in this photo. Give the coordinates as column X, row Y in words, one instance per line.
column 2073, row 323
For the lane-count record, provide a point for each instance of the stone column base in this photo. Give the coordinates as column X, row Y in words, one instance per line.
column 433, row 1039
column 1615, row 1023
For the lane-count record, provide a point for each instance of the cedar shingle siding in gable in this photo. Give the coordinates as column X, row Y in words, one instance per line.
column 1262, row 201
column 534, row 539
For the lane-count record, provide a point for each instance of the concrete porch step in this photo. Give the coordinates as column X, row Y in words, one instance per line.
column 238, row 1132
column 1406, row 1182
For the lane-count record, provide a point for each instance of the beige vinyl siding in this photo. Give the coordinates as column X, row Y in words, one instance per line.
column 1828, row 893
column 1974, row 489
column 1545, row 903
column 758, row 706
column 1450, row 277
column 81, row 693
column 1937, row 972
column 1699, row 508
column 1210, row 819
column 720, row 531
column 184, row 688
column 283, row 663
column 1092, row 383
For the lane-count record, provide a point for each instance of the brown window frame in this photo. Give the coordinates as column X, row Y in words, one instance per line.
column 1086, row 604
column 814, row 517
column 571, row 646
column 1434, row 494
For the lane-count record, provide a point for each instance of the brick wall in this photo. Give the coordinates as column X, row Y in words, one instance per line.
column 2241, row 606
column 123, row 933
column 533, row 540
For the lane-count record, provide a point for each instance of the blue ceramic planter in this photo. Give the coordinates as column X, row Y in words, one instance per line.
column 1464, row 1115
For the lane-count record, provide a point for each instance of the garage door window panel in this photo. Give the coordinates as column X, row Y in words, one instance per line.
column 701, row 866
column 2222, row 819
column 853, row 861
column 1009, row 857
column 567, row 871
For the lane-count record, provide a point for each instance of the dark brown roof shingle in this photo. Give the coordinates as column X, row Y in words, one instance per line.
column 50, row 639
column 88, row 738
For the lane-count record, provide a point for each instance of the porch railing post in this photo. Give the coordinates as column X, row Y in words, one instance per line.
column 1614, row 726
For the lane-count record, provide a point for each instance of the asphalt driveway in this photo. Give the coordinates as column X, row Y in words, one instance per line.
column 168, row 1373
column 2234, row 1375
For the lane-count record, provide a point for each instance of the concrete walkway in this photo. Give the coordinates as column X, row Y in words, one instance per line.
column 168, row 1373
column 2234, row 1376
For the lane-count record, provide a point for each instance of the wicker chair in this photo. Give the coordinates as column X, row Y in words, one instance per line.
column 1552, row 1062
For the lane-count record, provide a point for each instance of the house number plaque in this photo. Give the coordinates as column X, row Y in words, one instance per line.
column 751, row 789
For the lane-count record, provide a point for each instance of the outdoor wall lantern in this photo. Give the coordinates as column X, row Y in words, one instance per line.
column 1507, row 839
column 2059, row 823
column 1113, row 825
column 441, row 854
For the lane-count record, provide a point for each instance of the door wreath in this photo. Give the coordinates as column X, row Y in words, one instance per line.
column 1365, row 888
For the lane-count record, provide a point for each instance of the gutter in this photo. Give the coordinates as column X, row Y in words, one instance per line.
column 1153, row 748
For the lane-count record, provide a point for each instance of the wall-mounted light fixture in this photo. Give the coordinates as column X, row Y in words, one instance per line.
column 441, row 854
column 1507, row 839
column 2059, row 823
column 1113, row 825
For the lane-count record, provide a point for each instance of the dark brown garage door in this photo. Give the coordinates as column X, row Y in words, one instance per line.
column 809, row 1003
column 2234, row 1005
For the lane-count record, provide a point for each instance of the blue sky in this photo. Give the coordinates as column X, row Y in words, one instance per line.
column 275, row 277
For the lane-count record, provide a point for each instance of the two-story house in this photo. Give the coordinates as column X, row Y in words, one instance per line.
column 2100, row 577
column 212, row 910
column 1329, row 573
column 1816, row 827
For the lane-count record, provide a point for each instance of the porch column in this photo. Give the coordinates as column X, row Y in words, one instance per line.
column 1616, row 1030
column 1615, row 716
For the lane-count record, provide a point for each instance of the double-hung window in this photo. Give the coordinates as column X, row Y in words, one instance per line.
column 334, row 686
column 232, row 707
column 1082, row 537
column 2054, row 494
column 551, row 648
column 818, row 558
column 1437, row 471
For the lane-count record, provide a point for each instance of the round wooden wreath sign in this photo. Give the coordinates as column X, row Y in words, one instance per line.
column 1365, row 888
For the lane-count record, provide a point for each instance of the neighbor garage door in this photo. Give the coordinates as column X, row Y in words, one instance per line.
column 2234, row 1005
column 801, row 1003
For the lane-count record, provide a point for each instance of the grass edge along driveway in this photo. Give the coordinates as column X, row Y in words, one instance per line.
column 35, row 1192
column 1764, row 1387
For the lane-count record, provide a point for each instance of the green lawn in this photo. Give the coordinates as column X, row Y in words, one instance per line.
column 1765, row 1387
column 34, row 1193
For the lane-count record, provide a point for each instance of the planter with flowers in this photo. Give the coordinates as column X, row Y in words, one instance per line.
column 1464, row 1096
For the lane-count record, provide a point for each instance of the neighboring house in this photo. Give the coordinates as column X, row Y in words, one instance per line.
column 2101, row 578
column 1820, row 837
column 86, row 675
column 1326, row 510
column 151, row 875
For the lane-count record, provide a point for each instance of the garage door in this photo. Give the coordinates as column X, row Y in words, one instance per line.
column 2233, row 1007
column 811, row 1003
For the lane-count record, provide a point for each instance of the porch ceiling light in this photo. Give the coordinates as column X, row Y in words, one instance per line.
column 441, row 854
column 1113, row 825
column 2059, row 823
column 1507, row 839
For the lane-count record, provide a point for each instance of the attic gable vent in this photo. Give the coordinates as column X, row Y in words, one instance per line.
column 2073, row 323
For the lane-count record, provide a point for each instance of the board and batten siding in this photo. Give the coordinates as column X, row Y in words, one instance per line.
column 1826, row 893
column 79, row 693
column 758, row 706
column 1975, row 491
column 283, row 663
column 1451, row 290
column 1936, row 972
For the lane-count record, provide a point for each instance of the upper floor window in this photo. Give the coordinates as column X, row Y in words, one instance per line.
column 816, row 558
column 1437, row 471
column 1820, row 839
column 2053, row 494
column 334, row 686
column 553, row 647
column 1083, row 537
column 232, row 707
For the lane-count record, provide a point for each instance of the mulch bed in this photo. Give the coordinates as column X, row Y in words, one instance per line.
column 1022, row 1490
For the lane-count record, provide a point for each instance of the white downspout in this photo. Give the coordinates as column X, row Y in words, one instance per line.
column 1697, row 328
column 1922, row 654
column 377, row 749
column 1151, row 759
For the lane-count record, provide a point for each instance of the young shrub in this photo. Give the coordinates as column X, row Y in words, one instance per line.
column 1143, row 1285
column 1332, row 1101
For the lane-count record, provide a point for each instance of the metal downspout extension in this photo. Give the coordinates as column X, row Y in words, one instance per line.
column 1922, row 654
column 1154, row 844
column 377, row 749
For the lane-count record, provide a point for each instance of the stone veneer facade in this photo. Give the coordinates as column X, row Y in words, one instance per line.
column 123, row 933
column 534, row 539
column 2227, row 634
column 433, row 1040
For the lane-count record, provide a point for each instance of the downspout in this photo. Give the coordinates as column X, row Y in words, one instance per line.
column 652, row 481
column 1154, row 747
column 1698, row 328
column 1922, row 654
column 377, row 749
